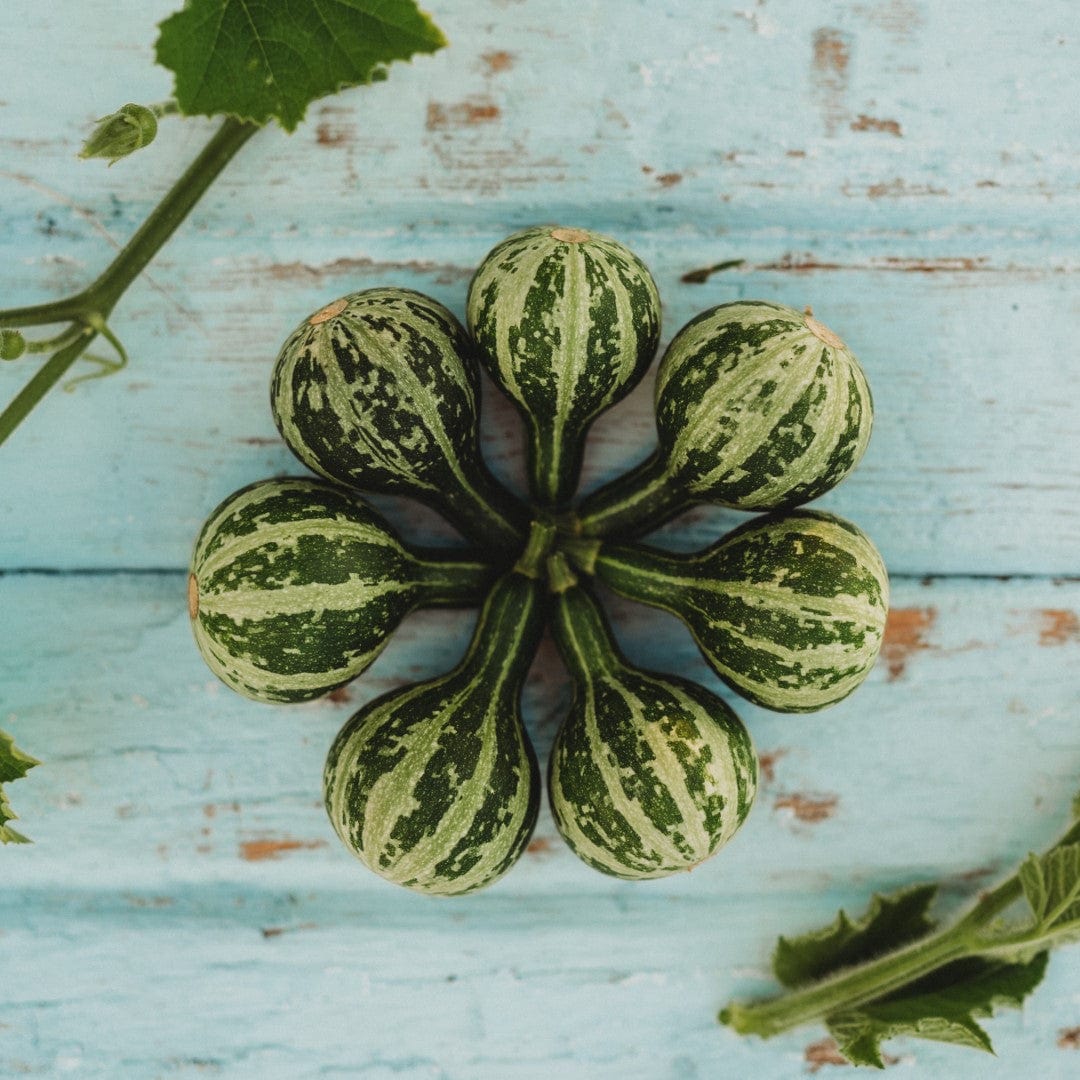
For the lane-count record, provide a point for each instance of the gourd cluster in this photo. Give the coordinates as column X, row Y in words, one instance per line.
column 297, row 584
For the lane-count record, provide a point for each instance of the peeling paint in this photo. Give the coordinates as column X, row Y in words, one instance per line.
column 328, row 134
column 829, row 74
column 260, row 850
column 898, row 18
column 807, row 262
column 871, row 123
column 498, row 61
column 810, row 809
column 1058, row 626
column 767, row 763
column 1069, row 1038
column 898, row 188
column 277, row 931
column 467, row 113
column 905, row 635
column 702, row 274
column 443, row 273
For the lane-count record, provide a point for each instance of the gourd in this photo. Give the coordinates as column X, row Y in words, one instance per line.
column 435, row 786
column 758, row 407
column 649, row 774
column 297, row 585
column 379, row 390
column 789, row 609
column 566, row 322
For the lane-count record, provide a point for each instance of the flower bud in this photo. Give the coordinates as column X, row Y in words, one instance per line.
column 12, row 344
column 121, row 133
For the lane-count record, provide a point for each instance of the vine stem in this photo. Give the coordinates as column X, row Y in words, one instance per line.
column 850, row 988
column 975, row 934
column 92, row 306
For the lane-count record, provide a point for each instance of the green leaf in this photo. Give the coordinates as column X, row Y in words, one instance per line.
column 889, row 922
column 14, row 765
column 262, row 59
column 1051, row 884
column 942, row 1007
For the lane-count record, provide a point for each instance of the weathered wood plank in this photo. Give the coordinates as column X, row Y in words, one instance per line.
column 906, row 168
column 185, row 901
column 946, row 253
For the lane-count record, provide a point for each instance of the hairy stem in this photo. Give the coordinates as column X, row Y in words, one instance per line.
column 168, row 214
column 48, row 375
column 849, row 989
column 88, row 310
column 975, row 934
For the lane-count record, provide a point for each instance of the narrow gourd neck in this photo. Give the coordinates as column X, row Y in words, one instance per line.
column 504, row 641
column 446, row 578
column 553, row 462
column 583, row 636
column 634, row 503
column 485, row 511
column 642, row 573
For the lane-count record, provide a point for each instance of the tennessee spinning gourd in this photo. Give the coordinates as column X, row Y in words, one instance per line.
column 297, row 585
column 436, row 786
column 758, row 407
column 379, row 390
column 567, row 322
column 650, row 774
column 789, row 609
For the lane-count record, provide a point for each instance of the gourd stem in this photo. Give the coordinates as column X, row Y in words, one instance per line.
column 560, row 576
column 582, row 635
column 541, row 537
column 507, row 633
column 634, row 503
column 449, row 579
column 582, row 551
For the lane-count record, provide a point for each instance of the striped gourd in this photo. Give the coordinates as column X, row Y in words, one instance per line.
column 296, row 587
column 379, row 390
column 566, row 321
column 789, row 609
column 435, row 786
column 758, row 407
column 649, row 774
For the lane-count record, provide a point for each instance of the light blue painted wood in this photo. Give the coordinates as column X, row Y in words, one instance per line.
column 945, row 255
column 907, row 168
column 186, row 900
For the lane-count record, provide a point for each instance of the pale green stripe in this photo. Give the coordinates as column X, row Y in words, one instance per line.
column 287, row 535
column 256, row 603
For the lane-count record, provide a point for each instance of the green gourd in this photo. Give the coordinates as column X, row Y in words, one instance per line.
column 649, row 774
column 789, row 609
column 435, row 786
column 296, row 586
column 758, row 407
column 567, row 322
column 379, row 390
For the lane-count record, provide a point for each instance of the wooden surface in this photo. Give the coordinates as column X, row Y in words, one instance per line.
column 907, row 168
